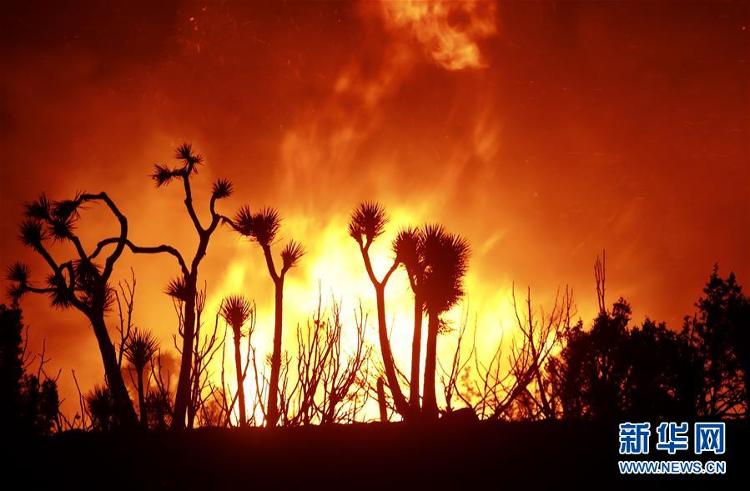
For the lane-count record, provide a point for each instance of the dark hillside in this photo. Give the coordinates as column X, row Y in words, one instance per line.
column 368, row 456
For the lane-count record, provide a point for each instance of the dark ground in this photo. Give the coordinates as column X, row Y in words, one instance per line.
column 394, row 456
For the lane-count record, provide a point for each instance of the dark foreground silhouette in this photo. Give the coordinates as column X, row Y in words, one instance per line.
column 461, row 455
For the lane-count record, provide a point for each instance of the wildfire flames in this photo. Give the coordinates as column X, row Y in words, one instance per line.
column 444, row 33
column 445, row 112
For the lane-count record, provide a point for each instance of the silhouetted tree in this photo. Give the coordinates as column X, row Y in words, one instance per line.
column 124, row 301
column 236, row 311
column 11, row 366
column 445, row 257
column 28, row 402
column 366, row 224
column 527, row 391
column 207, row 344
column 217, row 409
column 262, row 228
column 718, row 332
column 406, row 247
column 541, row 336
column 80, row 283
column 615, row 371
column 662, row 381
column 139, row 350
column 594, row 366
column 186, row 283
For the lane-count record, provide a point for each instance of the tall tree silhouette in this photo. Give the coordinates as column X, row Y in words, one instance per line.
column 596, row 367
column 445, row 257
column 366, row 224
column 188, row 280
column 406, row 247
column 236, row 310
column 79, row 283
column 718, row 331
column 139, row 349
column 262, row 228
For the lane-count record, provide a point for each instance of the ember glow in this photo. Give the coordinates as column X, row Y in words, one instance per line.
column 521, row 127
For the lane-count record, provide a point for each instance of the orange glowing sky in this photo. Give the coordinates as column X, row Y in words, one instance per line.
column 543, row 132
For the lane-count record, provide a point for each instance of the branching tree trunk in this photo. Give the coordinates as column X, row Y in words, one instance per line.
column 406, row 247
column 79, row 283
column 436, row 263
column 445, row 260
column 366, row 224
column 188, row 281
column 262, row 228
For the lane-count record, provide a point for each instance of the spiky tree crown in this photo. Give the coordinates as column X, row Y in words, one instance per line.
column 85, row 286
column 406, row 247
column 178, row 288
column 367, row 222
column 163, row 174
column 222, row 189
column 261, row 227
column 18, row 275
column 291, row 254
column 236, row 310
column 140, row 348
column 445, row 258
column 185, row 154
column 46, row 219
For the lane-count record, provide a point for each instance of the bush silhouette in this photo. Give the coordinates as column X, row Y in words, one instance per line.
column 29, row 402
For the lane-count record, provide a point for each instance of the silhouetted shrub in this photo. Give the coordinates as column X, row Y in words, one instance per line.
column 101, row 407
column 28, row 405
column 652, row 372
column 616, row 371
column 158, row 408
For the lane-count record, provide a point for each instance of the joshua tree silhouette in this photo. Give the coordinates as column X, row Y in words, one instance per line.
column 185, row 287
column 367, row 223
column 236, row 310
column 406, row 247
column 262, row 228
column 139, row 350
column 445, row 258
column 80, row 283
